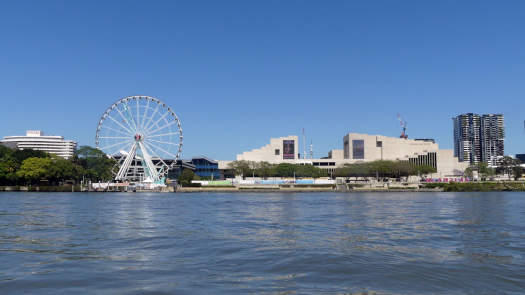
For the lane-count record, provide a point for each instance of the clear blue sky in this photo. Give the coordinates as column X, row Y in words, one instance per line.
column 240, row 72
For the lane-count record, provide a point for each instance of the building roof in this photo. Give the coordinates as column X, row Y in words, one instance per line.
column 205, row 158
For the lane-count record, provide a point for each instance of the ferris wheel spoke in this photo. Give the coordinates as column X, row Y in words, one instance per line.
column 163, row 150
column 122, row 126
column 164, row 134
column 138, row 116
column 162, row 127
column 144, row 115
column 126, row 120
column 157, row 122
column 130, row 115
column 152, row 152
column 115, row 144
column 119, row 131
column 164, row 142
column 152, row 116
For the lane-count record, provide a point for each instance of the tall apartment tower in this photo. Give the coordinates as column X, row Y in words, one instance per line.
column 479, row 138
column 492, row 138
column 467, row 138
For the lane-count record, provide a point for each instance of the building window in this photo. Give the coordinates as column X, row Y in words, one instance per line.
column 358, row 149
column 277, row 152
column 379, row 144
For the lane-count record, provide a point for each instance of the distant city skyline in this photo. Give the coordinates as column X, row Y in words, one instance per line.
column 239, row 73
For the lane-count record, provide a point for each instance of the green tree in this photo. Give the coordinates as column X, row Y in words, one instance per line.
column 62, row 170
column 309, row 171
column 35, row 169
column 264, row 170
column 186, row 177
column 508, row 165
column 240, row 167
column 21, row 155
column 96, row 165
column 469, row 172
column 284, row 170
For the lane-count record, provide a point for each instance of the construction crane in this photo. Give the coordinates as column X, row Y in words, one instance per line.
column 403, row 126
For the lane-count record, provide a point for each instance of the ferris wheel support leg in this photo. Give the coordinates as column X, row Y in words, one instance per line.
column 149, row 164
column 127, row 163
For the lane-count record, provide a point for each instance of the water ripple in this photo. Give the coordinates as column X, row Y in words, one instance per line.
column 327, row 243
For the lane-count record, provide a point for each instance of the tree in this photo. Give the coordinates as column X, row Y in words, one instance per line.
column 469, row 172
column 8, row 167
column 96, row 165
column 21, row 155
column 508, row 164
column 264, row 170
column 186, row 177
column 383, row 169
column 34, row 169
column 240, row 167
column 284, row 170
column 62, row 170
column 309, row 171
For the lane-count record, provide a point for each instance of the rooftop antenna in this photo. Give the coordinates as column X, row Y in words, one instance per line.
column 311, row 150
column 403, row 126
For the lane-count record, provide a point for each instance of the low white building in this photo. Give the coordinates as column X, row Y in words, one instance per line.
column 363, row 148
column 36, row 140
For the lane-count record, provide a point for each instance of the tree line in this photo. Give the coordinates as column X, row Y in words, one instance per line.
column 265, row 169
column 24, row 167
column 381, row 169
column 507, row 166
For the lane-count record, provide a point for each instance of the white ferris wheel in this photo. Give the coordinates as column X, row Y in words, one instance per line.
column 143, row 135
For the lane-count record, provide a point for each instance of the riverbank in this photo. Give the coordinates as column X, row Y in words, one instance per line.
column 514, row 186
column 350, row 188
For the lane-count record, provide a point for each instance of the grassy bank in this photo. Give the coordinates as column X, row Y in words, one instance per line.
column 478, row 186
column 42, row 188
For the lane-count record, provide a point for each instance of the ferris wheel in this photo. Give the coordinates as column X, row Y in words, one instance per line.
column 143, row 135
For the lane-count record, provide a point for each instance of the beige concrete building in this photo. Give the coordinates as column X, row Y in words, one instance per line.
column 279, row 150
column 358, row 148
column 365, row 148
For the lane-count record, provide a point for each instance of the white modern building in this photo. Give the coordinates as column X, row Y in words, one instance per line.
column 36, row 140
column 358, row 148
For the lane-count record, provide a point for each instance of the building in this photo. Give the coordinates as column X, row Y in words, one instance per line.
column 467, row 138
column 366, row 148
column 206, row 168
column 521, row 157
column 36, row 140
column 11, row 145
column 492, row 139
column 282, row 149
column 479, row 138
column 359, row 148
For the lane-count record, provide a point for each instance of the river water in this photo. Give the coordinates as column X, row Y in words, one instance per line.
column 262, row 243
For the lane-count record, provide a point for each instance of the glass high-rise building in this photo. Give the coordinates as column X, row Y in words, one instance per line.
column 479, row 138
